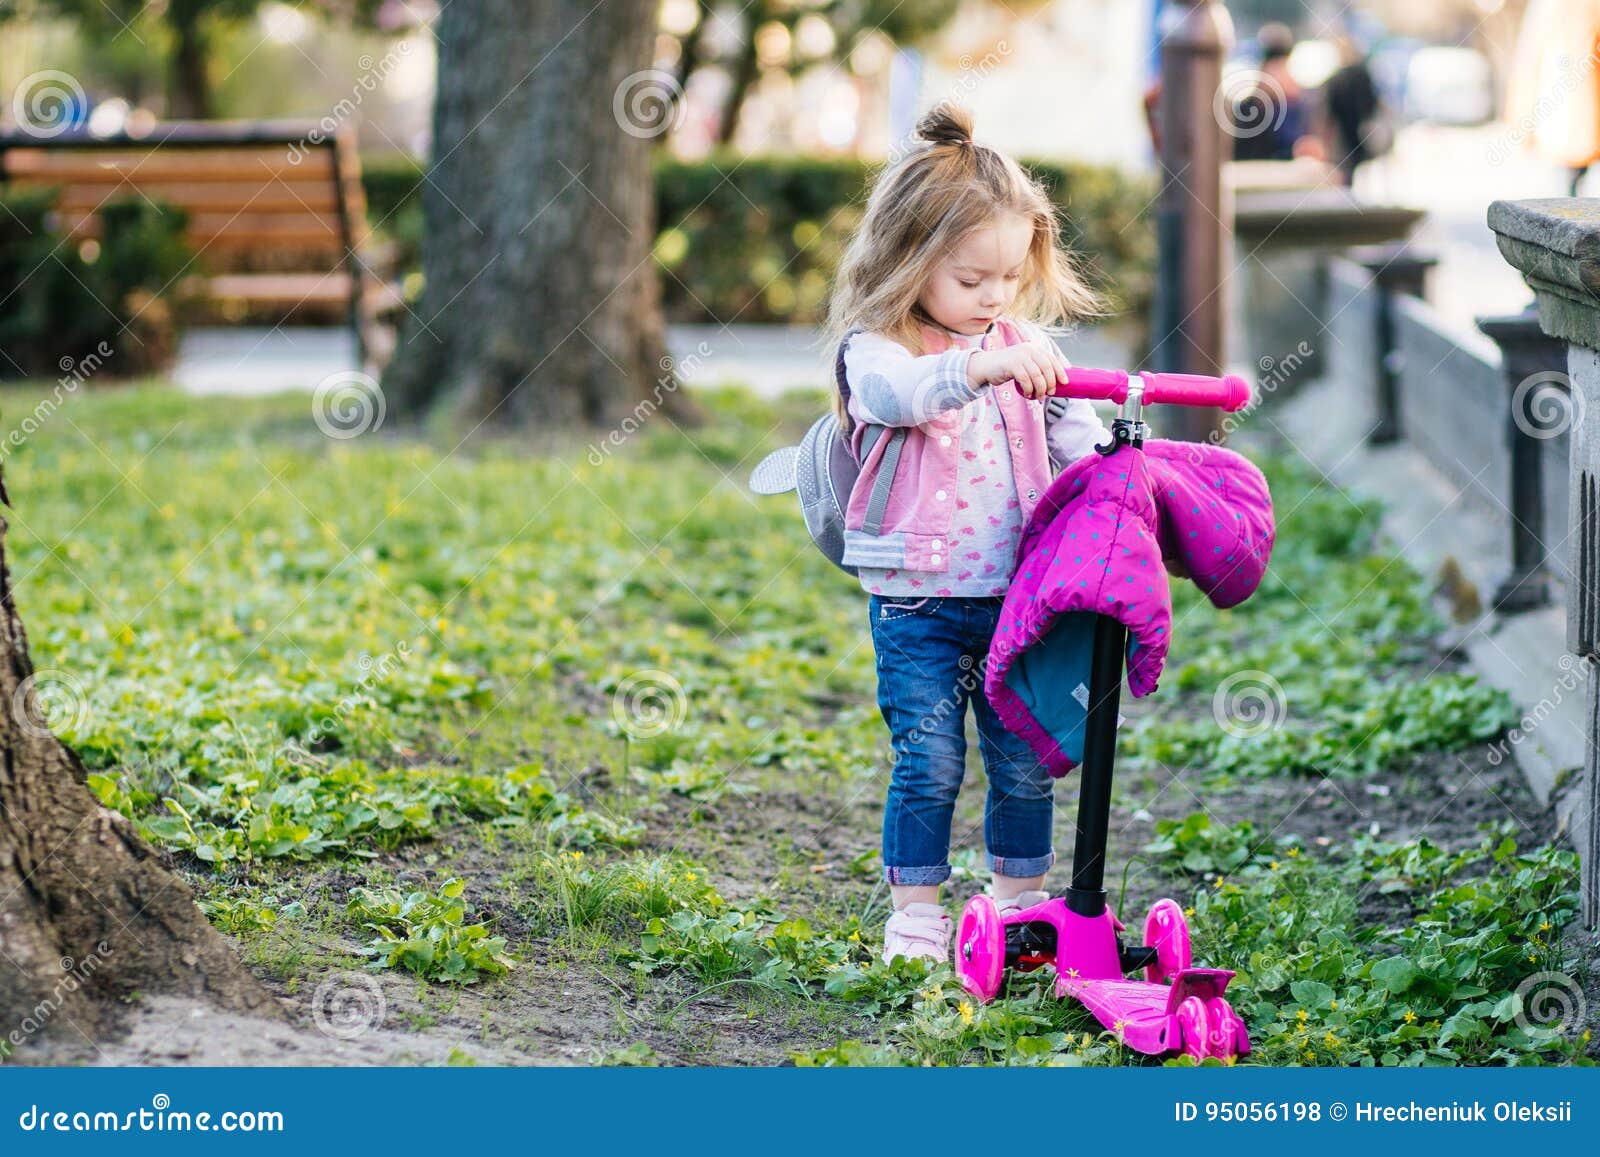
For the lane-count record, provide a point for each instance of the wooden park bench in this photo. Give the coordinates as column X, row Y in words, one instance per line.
column 276, row 212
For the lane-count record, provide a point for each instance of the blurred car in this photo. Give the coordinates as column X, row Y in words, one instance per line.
column 1446, row 85
column 1388, row 63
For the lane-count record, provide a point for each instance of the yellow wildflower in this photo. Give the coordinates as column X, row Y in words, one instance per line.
column 1410, row 1017
column 965, row 1009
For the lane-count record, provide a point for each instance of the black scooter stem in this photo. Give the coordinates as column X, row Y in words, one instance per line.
column 1087, row 895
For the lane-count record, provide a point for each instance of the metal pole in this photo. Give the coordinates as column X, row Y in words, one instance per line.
column 1191, row 225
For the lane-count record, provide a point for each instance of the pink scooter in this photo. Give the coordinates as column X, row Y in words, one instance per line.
column 1176, row 1008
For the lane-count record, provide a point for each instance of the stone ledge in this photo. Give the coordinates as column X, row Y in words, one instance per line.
column 1554, row 243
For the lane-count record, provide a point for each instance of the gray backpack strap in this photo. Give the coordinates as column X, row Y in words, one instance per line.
column 879, row 502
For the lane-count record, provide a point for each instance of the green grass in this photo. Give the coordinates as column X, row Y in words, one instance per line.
column 282, row 654
column 267, row 643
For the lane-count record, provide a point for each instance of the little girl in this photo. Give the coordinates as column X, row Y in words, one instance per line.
column 939, row 299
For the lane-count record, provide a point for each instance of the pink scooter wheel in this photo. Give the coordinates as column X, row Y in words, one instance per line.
column 981, row 948
column 1194, row 1028
column 1167, row 932
column 1227, row 1030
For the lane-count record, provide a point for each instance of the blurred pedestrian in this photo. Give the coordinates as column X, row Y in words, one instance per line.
column 1354, row 120
column 1272, row 119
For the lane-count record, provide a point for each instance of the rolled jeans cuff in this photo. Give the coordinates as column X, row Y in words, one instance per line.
column 917, row 877
column 1021, row 867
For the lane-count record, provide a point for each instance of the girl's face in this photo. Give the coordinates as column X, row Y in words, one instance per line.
column 977, row 281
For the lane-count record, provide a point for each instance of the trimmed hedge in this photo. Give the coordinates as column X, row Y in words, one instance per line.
column 66, row 302
column 757, row 238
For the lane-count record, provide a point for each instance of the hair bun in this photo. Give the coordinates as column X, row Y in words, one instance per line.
column 946, row 124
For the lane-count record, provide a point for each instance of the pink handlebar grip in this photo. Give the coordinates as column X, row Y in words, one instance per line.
column 1097, row 385
column 1231, row 392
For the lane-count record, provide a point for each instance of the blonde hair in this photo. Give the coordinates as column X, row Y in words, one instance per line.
column 920, row 209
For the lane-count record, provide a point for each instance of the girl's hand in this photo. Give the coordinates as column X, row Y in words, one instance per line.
column 1036, row 366
column 1175, row 567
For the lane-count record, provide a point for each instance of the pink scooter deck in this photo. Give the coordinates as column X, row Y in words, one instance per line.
column 1177, row 1008
column 1162, row 1018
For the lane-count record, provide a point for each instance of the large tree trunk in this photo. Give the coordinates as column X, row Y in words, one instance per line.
column 541, row 303
column 88, row 914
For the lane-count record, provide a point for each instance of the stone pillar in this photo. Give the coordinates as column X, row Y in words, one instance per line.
column 1395, row 269
column 1555, row 243
column 1533, row 363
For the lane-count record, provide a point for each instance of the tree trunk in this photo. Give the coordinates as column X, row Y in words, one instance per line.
column 88, row 915
column 692, row 51
column 191, row 88
column 744, row 72
column 541, row 304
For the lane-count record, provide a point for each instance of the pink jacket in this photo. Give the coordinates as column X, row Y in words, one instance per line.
column 1095, row 546
column 916, row 525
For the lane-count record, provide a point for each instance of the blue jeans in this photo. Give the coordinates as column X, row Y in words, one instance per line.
column 932, row 653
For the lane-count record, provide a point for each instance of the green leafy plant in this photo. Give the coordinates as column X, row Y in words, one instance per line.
column 427, row 934
column 1320, row 985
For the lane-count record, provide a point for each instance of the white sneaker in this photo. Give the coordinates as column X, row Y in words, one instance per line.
column 918, row 931
column 1024, row 900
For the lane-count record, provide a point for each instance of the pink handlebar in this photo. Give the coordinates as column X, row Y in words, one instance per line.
column 1230, row 392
